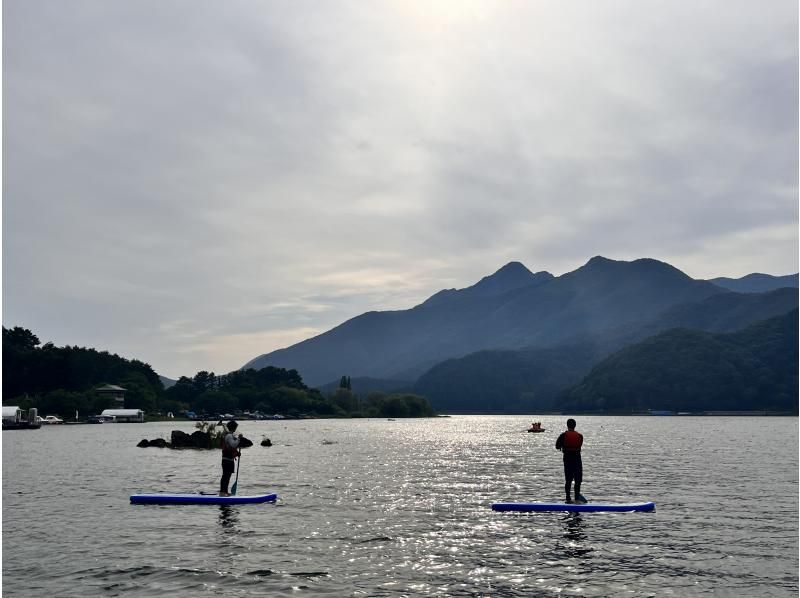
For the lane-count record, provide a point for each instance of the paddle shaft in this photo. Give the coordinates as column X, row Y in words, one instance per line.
column 233, row 488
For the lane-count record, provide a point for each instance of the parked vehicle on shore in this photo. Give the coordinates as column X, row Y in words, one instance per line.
column 101, row 419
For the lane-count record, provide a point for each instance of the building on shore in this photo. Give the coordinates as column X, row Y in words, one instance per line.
column 112, row 392
column 15, row 418
column 125, row 415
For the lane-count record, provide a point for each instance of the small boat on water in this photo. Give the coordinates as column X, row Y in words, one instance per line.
column 536, row 427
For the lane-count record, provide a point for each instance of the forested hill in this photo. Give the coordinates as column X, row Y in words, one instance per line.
column 506, row 381
column 276, row 390
column 61, row 379
column 689, row 370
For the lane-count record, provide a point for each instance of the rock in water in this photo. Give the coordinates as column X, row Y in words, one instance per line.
column 181, row 439
column 197, row 439
column 201, row 439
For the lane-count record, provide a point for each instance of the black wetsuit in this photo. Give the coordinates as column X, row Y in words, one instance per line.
column 230, row 444
column 573, row 466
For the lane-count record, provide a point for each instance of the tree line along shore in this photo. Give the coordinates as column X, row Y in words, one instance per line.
column 64, row 380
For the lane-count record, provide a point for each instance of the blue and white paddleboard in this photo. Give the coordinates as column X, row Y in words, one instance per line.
column 199, row 499
column 528, row 507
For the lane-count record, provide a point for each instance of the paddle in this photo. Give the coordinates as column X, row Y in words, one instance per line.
column 233, row 488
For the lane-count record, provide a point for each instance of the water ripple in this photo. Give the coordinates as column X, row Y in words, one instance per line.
column 402, row 509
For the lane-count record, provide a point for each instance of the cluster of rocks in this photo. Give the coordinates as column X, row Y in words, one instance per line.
column 158, row 442
column 196, row 440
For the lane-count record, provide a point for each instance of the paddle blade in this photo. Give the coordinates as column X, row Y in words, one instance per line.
column 233, row 488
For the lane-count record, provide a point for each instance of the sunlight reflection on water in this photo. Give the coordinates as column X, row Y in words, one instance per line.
column 402, row 508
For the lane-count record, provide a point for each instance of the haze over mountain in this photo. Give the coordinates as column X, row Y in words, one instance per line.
column 511, row 309
column 756, row 283
column 534, row 379
column 167, row 382
column 690, row 370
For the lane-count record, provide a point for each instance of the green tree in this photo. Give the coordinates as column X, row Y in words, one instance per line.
column 183, row 391
column 345, row 399
column 61, row 379
column 139, row 394
column 216, row 402
column 204, row 381
column 19, row 339
column 63, row 403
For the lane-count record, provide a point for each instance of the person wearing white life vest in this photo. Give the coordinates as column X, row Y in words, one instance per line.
column 230, row 451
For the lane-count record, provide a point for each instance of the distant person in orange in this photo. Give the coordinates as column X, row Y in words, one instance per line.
column 570, row 443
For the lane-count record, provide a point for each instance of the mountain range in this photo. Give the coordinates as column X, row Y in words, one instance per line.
column 532, row 334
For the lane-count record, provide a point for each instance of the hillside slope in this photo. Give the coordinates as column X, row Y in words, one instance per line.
column 689, row 370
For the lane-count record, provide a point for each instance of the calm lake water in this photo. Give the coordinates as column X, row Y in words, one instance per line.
column 394, row 508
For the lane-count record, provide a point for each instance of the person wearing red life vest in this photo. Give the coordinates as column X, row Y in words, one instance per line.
column 230, row 451
column 570, row 443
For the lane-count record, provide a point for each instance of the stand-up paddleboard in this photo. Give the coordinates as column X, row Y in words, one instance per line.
column 528, row 507
column 199, row 499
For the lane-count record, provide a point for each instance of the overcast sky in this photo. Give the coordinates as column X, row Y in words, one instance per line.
column 194, row 183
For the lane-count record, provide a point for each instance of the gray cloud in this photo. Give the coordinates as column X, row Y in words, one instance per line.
column 192, row 184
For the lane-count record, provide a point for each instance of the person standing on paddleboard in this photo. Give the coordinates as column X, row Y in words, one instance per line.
column 570, row 443
column 230, row 451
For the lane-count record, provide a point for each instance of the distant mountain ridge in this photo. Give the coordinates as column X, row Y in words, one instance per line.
column 513, row 309
column 756, row 283
column 510, row 277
